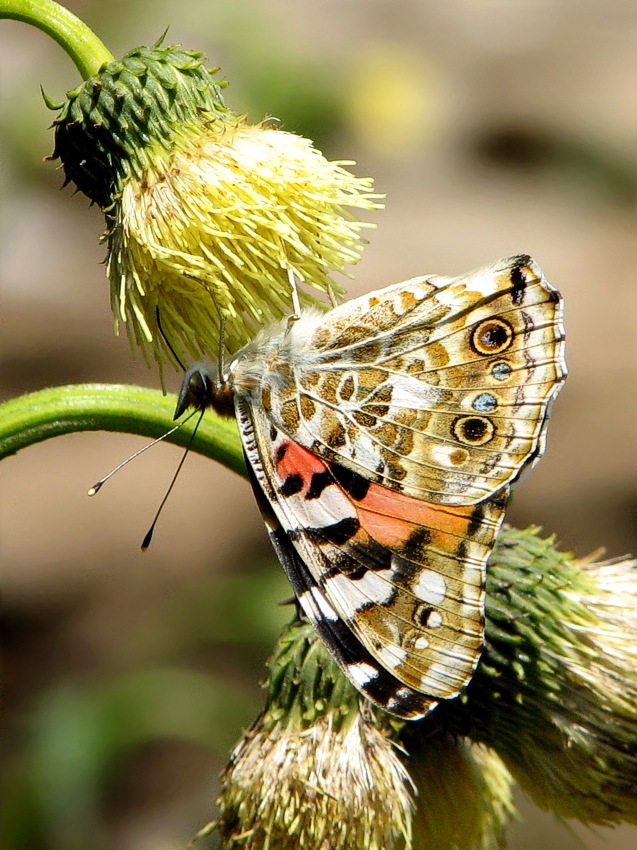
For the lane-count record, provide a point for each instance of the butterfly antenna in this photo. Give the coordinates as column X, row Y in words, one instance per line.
column 167, row 341
column 99, row 484
column 149, row 534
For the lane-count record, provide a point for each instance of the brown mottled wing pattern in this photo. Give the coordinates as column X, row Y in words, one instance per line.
column 382, row 438
column 438, row 388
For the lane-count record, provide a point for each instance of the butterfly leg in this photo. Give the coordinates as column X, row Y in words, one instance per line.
column 296, row 304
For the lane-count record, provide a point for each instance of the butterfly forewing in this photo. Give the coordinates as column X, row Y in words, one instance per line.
column 396, row 585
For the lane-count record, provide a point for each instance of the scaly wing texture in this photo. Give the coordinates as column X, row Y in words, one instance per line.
column 381, row 439
column 438, row 388
column 394, row 585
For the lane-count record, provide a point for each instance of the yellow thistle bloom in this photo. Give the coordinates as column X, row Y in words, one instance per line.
column 206, row 215
column 216, row 224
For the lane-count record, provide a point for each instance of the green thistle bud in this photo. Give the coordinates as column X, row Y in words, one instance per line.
column 555, row 694
column 205, row 214
column 113, row 127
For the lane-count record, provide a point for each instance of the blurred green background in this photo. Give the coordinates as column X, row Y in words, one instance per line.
column 494, row 128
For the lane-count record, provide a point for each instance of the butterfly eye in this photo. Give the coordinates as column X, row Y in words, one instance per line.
column 195, row 389
column 198, row 383
column 491, row 336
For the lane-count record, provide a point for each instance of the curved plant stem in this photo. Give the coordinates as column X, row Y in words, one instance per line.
column 49, row 413
column 83, row 46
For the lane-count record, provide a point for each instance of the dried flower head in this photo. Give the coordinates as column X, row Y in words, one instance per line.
column 330, row 786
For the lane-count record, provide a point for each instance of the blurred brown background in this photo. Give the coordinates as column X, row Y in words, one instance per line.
column 495, row 128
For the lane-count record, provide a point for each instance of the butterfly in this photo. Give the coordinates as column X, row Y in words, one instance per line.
column 381, row 439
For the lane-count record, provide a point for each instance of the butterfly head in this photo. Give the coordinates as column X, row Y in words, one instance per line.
column 204, row 387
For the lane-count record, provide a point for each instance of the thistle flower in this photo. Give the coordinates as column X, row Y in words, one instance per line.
column 553, row 706
column 206, row 214
column 555, row 694
column 314, row 772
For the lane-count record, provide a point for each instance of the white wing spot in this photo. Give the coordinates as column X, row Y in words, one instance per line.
column 316, row 605
column 434, row 620
column 362, row 673
column 441, row 455
column 408, row 391
column 365, row 450
column 430, row 587
column 421, row 643
column 332, row 504
column 391, row 656
column 375, row 588
column 451, row 297
column 482, row 280
column 346, row 594
column 308, row 604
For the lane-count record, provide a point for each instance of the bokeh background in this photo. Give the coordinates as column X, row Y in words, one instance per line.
column 494, row 127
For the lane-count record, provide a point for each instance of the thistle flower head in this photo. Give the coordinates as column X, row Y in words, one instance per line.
column 325, row 787
column 206, row 215
column 555, row 694
column 314, row 772
column 553, row 706
column 217, row 224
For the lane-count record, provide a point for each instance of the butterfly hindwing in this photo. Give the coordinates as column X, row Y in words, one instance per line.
column 437, row 387
column 372, row 679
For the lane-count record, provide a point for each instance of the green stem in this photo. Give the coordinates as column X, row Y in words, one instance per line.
column 38, row 416
column 80, row 42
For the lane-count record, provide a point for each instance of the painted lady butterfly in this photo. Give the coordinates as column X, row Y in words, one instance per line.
column 381, row 439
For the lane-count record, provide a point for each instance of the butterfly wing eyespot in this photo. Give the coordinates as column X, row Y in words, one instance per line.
column 473, row 430
column 491, row 336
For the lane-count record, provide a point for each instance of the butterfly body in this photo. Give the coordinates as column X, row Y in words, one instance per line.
column 381, row 438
